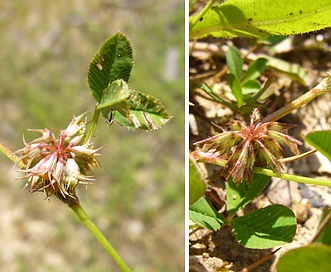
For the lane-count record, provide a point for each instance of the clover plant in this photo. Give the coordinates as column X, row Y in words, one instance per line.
column 56, row 163
column 251, row 152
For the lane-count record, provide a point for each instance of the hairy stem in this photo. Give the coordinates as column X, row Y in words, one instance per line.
column 93, row 126
column 323, row 87
column 10, row 155
column 301, row 179
column 77, row 208
column 212, row 159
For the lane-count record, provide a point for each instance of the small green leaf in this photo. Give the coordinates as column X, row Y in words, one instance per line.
column 238, row 196
column 320, row 140
column 325, row 235
column 234, row 61
column 146, row 112
column 197, row 187
column 268, row 227
column 255, row 69
column 312, row 258
column 113, row 61
column 294, row 71
column 115, row 98
column 205, row 215
column 235, row 87
column 216, row 98
column 250, row 86
column 242, row 18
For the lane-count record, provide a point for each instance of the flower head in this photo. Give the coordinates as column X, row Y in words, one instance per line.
column 258, row 144
column 57, row 165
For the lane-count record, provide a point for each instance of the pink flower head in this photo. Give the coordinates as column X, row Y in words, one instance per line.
column 258, row 144
column 57, row 165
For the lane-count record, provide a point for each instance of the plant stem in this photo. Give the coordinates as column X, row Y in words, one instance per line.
column 212, row 159
column 10, row 155
column 323, row 87
column 77, row 208
column 93, row 126
column 290, row 177
column 202, row 13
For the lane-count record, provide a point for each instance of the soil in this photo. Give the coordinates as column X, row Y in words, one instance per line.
column 218, row 251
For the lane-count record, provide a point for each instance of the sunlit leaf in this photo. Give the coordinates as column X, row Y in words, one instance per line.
column 325, row 235
column 235, row 87
column 320, row 140
column 113, row 61
column 268, row 227
column 294, row 71
column 205, row 215
column 250, row 86
column 242, row 18
column 255, row 69
column 306, row 259
column 234, row 61
column 146, row 113
column 197, row 187
column 238, row 196
column 115, row 98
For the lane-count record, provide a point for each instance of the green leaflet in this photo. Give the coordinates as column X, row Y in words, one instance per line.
column 115, row 98
column 238, row 196
column 197, row 186
column 268, row 227
column 146, row 112
column 314, row 257
column 234, row 62
column 262, row 18
column 325, row 236
column 320, row 140
column 113, row 61
column 205, row 215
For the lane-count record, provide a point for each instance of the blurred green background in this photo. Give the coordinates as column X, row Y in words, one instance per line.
column 138, row 196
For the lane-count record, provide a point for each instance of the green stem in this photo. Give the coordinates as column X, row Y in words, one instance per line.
column 10, row 155
column 93, row 126
column 205, row 157
column 323, row 87
column 196, row 19
column 99, row 236
column 290, row 177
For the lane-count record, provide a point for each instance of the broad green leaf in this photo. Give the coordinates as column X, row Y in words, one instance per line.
column 234, row 61
column 262, row 18
column 115, row 98
column 205, row 215
column 238, row 196
column 312, row 258
column 197, row 187
column 235, row 87
column 146, row 112
column 255, row 69
column 320, row 140
column 325, row 235
column 113, row 61
column 268, row 227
